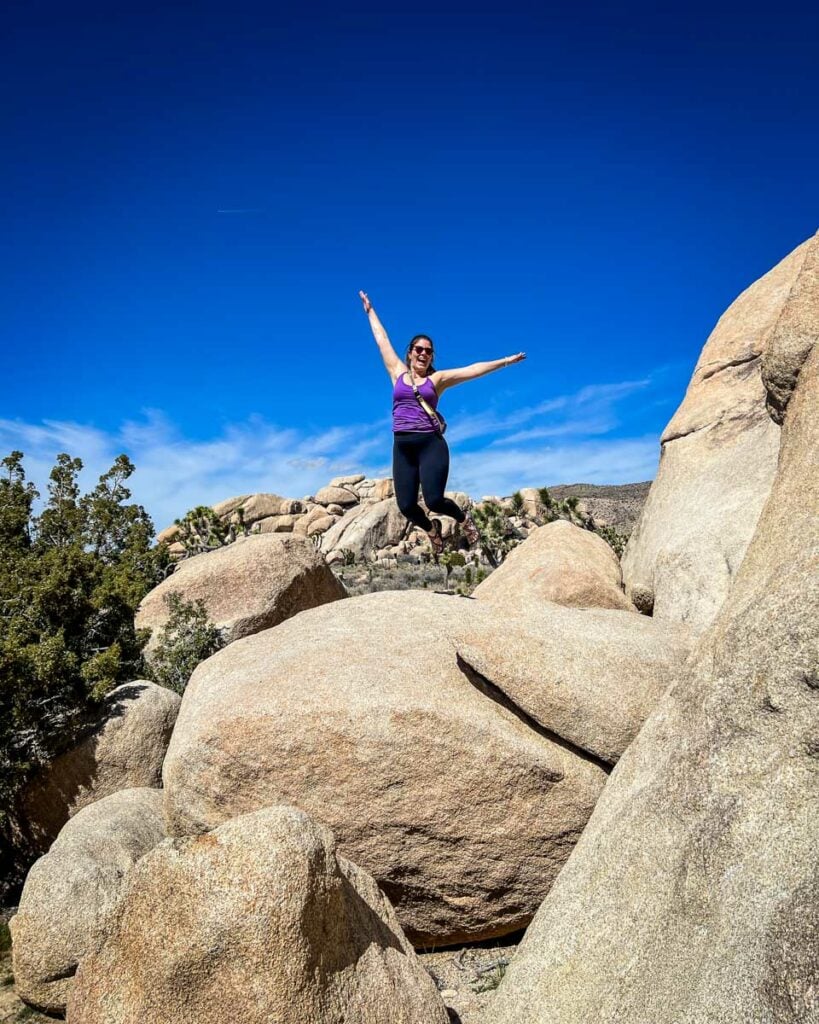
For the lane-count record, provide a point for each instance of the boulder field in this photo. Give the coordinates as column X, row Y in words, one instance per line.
column 407, row 767
column 462, row 803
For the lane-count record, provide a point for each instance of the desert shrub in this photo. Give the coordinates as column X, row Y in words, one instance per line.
column 616, row 540
column 489, row 978
column 517, row 503
column 187, row 638
column 545, row 498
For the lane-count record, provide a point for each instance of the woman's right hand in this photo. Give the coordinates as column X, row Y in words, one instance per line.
column 365, row 301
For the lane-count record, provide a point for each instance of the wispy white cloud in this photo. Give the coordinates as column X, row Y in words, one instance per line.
column 501, row 471
column 174, row 473
column 593, row 404
column 568, row 438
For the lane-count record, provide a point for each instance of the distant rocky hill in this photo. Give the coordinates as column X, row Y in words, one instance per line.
column 617, row 505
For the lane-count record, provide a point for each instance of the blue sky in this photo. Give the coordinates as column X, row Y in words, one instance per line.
column 592, row 184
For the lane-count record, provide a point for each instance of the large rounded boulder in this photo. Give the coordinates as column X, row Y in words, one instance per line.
column 71, row 895
column 366, row 529
column 558, row 563
column 249, row 585
column 123, row 749
column 361, row 714
column 257, row 921
column 590, row 677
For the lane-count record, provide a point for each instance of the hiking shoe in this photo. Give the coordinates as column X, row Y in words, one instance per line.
column 470, row 530
column 436, row 540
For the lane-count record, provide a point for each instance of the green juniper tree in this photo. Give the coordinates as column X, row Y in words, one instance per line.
column 187, row 638
column 70, row 581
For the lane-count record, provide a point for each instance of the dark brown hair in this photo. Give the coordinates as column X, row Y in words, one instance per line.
column 419, row 337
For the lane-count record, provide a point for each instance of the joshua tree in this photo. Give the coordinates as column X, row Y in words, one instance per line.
column 449, row 559
column 517, row 503
column 201, row 530
column 497, row 535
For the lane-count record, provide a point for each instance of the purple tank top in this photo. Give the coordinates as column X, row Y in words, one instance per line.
column 407, row 413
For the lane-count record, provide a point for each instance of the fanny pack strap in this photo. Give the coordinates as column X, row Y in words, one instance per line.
column 433, row 415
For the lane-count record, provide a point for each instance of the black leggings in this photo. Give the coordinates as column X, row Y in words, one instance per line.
column 422, row 459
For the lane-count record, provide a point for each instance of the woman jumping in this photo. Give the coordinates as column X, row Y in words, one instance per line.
column 420, row 453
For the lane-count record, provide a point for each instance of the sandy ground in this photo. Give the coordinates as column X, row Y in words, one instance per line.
column 467, row 978
column 12, row 1010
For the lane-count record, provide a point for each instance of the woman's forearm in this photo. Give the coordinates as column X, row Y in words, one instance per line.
column 377, row 328
column 448, row 378
column 489, row 366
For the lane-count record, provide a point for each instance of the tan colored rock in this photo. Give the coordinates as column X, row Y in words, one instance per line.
column 532, row 505
column 276, row 524
column 335, row 510
column 168, row 535
column 261, row 506
column 589, row 677
column 794, row 336
column 360, row 714
column 72, row 893
column 692, row 895
column 561, row 563
column 718, row 455
column 363, row 532
column 347, row 481
column 336, row 496
column 257, row 921
column 320, row 524
column 224, row 508
column 315, row 513
column 123, row 750
column 247, row 586
column 383, row 489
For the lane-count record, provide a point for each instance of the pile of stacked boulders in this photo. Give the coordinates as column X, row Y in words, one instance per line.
column 355, row 518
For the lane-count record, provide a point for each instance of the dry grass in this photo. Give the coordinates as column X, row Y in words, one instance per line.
column 409, row 575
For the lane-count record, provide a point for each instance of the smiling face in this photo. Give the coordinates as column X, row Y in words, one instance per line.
column 419, row 355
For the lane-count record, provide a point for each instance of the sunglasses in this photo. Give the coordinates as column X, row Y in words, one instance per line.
column 422, row 351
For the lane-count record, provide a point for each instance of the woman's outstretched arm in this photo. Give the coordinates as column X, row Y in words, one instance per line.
column 395, row 366
column 443, row 379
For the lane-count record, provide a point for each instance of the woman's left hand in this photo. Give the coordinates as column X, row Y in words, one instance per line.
column 517, row 358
